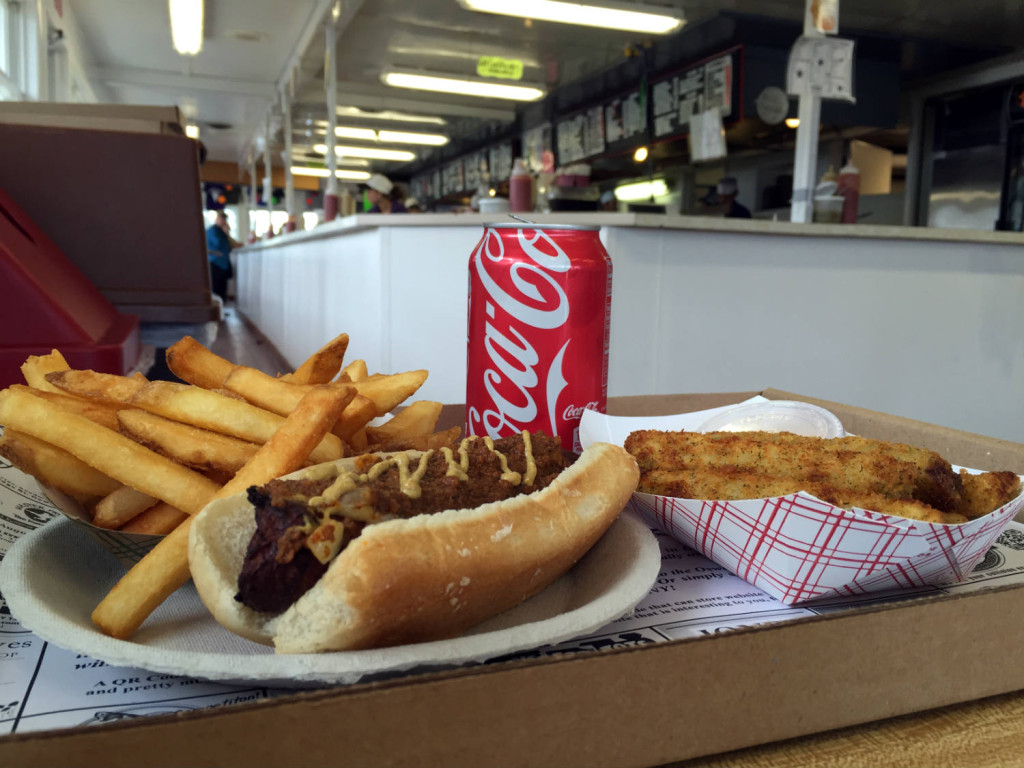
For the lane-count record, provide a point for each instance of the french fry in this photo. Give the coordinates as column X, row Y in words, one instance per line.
column 389, row 391
column 323, row 365
column 111, row 453
column 358, row 442
column 209, row 410
column 35, row 368
column 357, row 414
column 120, row 506
column 158, row 520
column 419, row 418
column 192, row 362
column 101, row 413
column 54, row 466
column 105, row 387
column 200, row 449
column 354, row 371
column 268, row 392
column 165, row 568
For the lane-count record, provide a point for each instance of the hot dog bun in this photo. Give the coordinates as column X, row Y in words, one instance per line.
column 423, row 578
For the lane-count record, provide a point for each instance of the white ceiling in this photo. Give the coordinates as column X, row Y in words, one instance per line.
column 252, row 47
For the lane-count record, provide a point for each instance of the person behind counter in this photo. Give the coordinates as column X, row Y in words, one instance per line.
column 727, row 190
column 609, row 201
column 381, row 193
column 218, row 250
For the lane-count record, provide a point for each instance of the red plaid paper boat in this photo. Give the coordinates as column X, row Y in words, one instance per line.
column 798, row 548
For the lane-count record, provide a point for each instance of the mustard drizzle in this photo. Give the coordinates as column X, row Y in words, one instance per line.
column 325, row 547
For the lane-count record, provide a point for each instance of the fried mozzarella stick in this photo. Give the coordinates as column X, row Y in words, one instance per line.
column 985, row 492
column 748, row 457
column 725, row 485
column 869, row 466
column 937, row 483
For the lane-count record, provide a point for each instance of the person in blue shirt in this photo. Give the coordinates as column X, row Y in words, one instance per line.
column 379, row 189
column 218, row 250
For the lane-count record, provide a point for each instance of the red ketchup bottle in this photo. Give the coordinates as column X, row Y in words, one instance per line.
column 520, row 188
column 537, row 347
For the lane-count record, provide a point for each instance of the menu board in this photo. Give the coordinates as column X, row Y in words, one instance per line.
column 453, row 179
column 678, row 97
column 624, row 122
column 485, row 167
column 580, row 136
column 475, row 171
column 500, row 161
column 538, row 150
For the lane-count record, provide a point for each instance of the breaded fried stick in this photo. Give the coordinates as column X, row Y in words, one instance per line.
column 854, row 464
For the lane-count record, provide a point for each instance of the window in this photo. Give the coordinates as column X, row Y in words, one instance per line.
column 8, row 84
column 18, row 47
column 5, row 31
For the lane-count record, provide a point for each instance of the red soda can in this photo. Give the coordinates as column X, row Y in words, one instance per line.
column 537, row 347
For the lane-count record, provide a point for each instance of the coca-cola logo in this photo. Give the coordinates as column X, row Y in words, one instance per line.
column 534, row 300
column 575, row 412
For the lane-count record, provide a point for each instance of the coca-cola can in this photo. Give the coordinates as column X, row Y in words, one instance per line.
column 539, row 314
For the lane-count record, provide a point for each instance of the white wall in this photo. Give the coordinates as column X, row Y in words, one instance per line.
column 924, row 329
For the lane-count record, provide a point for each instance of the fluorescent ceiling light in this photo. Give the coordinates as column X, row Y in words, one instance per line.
column 406, row 137
column 395, row 137
column 350, row 161
column 641, row 190
column 371, row 153
column 387, row 114
column 186, row 26
column 633, row 17
column 302, row 170
column 462, row 86
column 349, row 132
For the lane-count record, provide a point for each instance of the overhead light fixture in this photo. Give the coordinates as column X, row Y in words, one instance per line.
column 640, row 155
column 192, row 131
column 633, row 17
column 461, row 85
column 387, row 114
column 323, row 173
column 186, row 26
column 641, row 190
column 370, row 153
column 352, row 162
column 395, row 137
column 792, row 122
column 406, row 137
column 349, row 132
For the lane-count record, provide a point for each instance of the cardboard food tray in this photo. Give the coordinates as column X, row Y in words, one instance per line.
column 648, row 705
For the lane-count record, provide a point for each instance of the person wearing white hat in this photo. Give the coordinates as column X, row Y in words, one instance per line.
column 727, row 189
column 379, row 189
column 608, row 201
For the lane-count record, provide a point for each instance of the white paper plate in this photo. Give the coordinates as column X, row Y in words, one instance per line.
column 53, row 577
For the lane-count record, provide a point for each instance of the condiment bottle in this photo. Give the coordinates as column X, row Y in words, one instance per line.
column 519, row 188
column 848, row 187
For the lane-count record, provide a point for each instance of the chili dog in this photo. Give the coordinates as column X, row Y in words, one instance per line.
column 384, row 550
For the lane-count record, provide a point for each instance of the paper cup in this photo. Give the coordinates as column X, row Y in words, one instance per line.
column 776, row 416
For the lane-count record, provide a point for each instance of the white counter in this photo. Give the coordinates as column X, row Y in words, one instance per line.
column 923, row 323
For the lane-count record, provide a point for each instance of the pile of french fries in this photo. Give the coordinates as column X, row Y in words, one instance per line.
column 144, row 456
